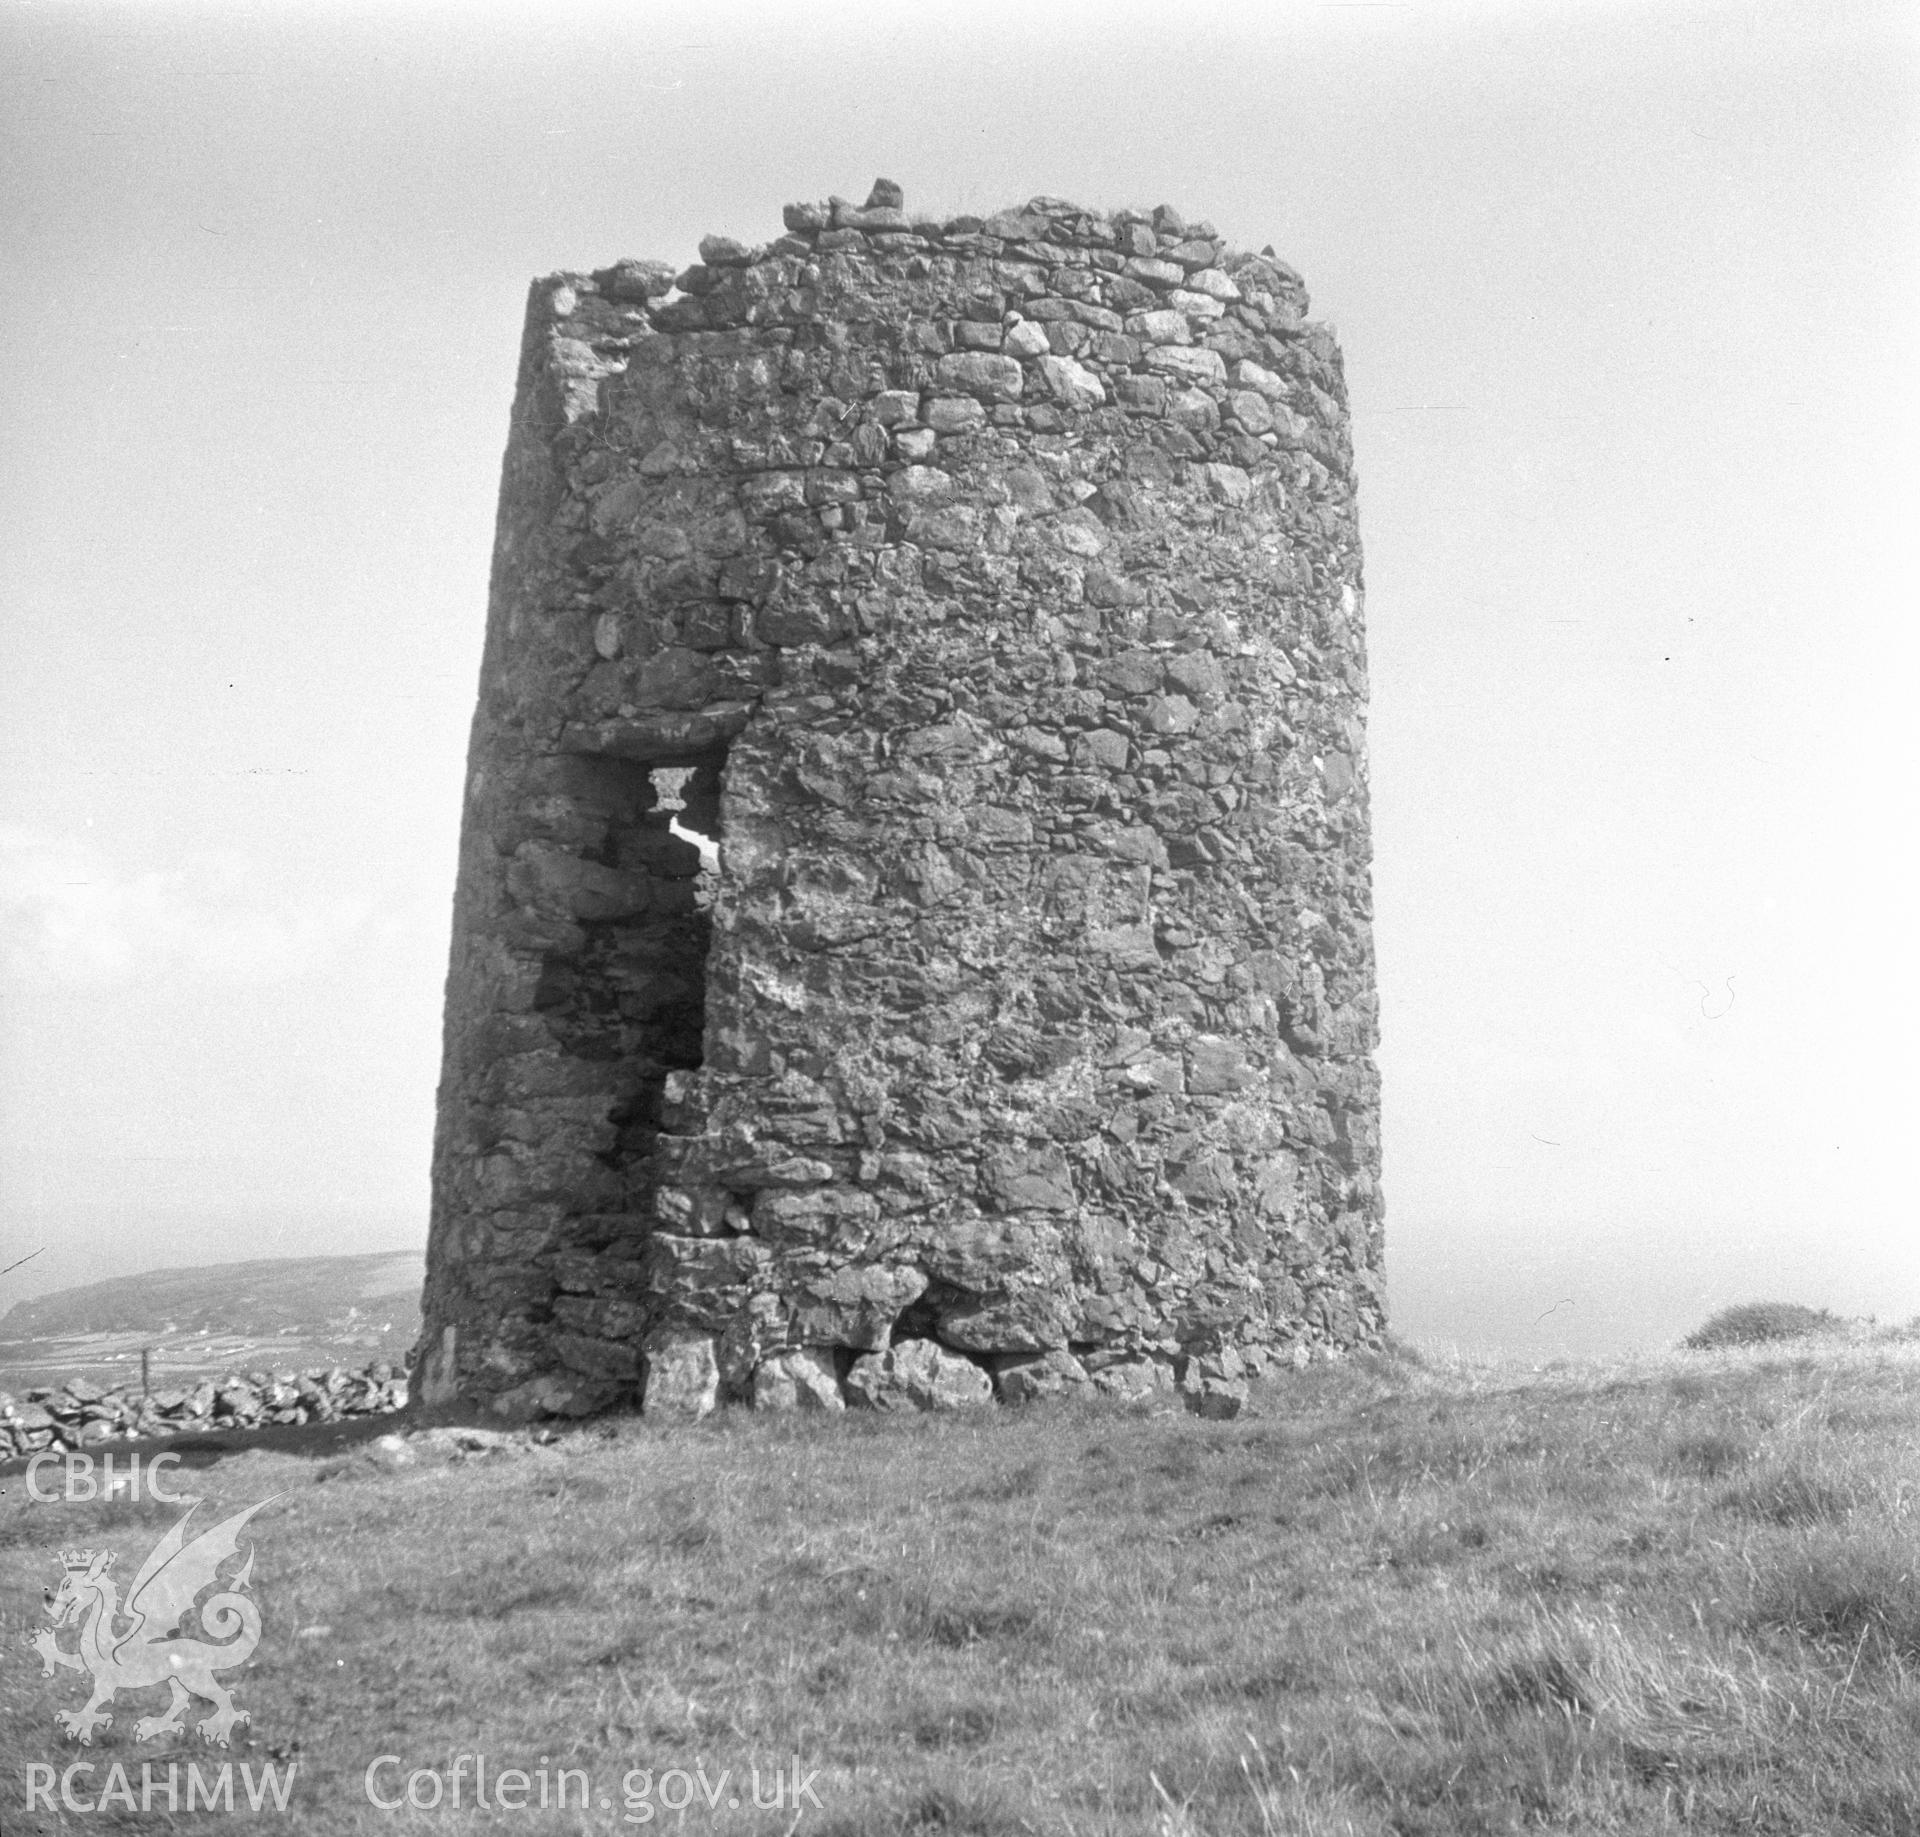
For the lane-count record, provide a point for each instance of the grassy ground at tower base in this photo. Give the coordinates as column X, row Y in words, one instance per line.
column 1678, row 1594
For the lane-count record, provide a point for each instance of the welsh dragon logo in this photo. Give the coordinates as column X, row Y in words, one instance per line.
column 130, row 1646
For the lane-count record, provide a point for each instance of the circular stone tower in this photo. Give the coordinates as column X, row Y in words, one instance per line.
column 912, row 934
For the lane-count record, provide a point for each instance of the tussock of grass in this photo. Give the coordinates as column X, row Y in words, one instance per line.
column 1789, row 1492
column 1861, row 1591
column 1393, row 1601
column 1711, row 1453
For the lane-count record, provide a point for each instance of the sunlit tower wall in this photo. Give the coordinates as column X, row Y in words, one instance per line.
column 912, row 938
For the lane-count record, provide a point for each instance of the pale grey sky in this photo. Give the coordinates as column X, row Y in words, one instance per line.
column 1628, row 297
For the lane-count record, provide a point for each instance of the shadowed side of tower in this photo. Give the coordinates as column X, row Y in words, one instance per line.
column 912, row 934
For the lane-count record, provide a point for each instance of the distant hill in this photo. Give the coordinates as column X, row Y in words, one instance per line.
column 248, row 1299
column 277, row 1311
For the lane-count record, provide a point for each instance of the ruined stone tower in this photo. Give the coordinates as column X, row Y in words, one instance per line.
column 912, row 934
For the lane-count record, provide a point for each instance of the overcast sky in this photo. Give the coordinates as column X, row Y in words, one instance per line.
column 1628, row 298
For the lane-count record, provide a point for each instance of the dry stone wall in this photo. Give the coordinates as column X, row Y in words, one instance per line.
column 80, row 1413
column 912, row 935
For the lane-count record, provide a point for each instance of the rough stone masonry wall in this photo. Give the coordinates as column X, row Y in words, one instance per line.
column 988, row 591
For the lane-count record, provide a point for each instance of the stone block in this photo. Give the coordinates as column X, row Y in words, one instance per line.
column 917, row 1374
column 1029, row 1377
column 990, row 377
column 1198, row 308
column 853, row 1307
column 816, row 1216
column 1218, row 1066
column 1154, row 272
column 799, row 1380
column 704, row 1281
column 1217, row 1401
column 1195, row 410
column 955, row 414
column 1026, row 338
column 1137, row 1379
column 682, row 1375
column 597, row 1358
column 1189, row 366
column 1228, row 484
column 1022, row 1179
column 1102, row 750
column 1024, row 1319
column 1071, row 383
column 551, row 1394
column 921, row 484
column 1251, row 409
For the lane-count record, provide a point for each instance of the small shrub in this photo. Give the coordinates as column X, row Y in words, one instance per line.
column 1754, row 1323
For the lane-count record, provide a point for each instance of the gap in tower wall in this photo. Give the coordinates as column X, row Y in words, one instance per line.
column 629, row 991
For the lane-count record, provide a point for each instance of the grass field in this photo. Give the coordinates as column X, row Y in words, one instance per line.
column 1676, row 1595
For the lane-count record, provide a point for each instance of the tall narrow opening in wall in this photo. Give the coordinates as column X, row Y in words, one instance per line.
column 633, row 993
column 680, row 841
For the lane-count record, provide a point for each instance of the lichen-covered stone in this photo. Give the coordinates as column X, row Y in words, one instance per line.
column 1132, row 1379
column 913, row 893
column 800, row 1380
column 917, row 1374
column 1023, row 1379
column 683, row 1374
